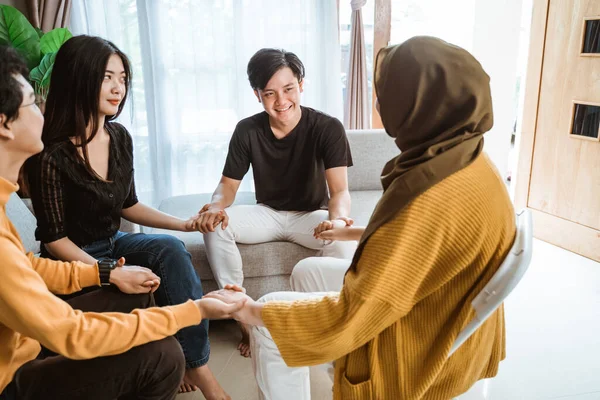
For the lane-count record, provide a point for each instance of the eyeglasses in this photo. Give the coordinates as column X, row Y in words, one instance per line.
column 38, row 101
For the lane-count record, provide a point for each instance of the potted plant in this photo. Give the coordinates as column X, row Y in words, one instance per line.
column 38, row 48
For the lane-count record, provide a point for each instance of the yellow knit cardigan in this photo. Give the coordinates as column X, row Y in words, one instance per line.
column 391, row 327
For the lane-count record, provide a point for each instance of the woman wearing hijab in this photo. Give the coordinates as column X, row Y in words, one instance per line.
column 440, row 231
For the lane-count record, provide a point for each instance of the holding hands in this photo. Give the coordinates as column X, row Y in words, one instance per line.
column 209, row 217
column 214, row 308
column 339, row 229
column 206, row 220
column 250, row 311
column 131, row 279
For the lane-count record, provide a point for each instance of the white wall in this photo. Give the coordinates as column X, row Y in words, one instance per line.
column 496, row 45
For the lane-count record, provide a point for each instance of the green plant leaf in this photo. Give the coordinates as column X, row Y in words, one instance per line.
column 39, row 32
column 51, row 41
column 17, row 32
column 41, row 74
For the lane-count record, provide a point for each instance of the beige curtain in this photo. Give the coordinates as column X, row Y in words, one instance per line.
column 356, row 108
column 49, row 14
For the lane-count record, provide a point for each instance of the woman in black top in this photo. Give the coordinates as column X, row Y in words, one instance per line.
column 83, row 183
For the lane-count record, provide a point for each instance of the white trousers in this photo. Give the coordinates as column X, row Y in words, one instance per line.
column 274, row 378
column 253, row 224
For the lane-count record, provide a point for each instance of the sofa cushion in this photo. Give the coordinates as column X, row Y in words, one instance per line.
column 371, row 149
column 24, row 221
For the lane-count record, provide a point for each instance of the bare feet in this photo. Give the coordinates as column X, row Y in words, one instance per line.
column 203, row 378
column 186, row 387
column 244, row 346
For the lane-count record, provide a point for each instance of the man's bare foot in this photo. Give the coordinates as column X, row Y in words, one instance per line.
column 203, row 378
column 244, row 346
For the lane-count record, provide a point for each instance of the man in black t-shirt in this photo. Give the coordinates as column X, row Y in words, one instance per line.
column 299, row 158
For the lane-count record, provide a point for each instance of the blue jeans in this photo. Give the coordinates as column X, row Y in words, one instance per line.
column 167, row 257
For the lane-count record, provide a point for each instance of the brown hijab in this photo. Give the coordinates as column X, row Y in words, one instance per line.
column 434, row 99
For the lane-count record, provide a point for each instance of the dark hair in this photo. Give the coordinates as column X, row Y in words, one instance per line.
column 266, row 62
column 73, row 98
column 11, row 91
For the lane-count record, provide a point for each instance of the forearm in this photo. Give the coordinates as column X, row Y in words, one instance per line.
column 142, row 214
column 64, row 249
column 63, row 277
column 223, row 196
column 339, row 204
column 355, row 232
column 314, row 332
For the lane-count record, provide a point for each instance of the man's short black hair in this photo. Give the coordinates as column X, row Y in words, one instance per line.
column 266, row 62
column 11, row 92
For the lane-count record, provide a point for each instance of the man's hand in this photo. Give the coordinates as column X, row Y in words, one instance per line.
column 132, row 279
column 339, row 222
column 213, row 308
column 211, row 216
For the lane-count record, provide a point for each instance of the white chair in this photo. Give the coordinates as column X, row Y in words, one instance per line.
column 504, row 280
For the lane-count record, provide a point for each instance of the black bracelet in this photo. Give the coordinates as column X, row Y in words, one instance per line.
column 105, row 266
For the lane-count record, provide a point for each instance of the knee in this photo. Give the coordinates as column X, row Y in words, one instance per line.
column 303, row 269
column 219, row 234
column 340, row 249
column 170, row 246
column 170, row 242
column 278, row 296
column 128, row 302
column 142, row 300
column 169, row 358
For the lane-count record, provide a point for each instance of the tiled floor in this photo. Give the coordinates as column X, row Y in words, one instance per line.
column 553, row 339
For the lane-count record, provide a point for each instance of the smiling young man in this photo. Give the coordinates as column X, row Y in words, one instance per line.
column 299, row 158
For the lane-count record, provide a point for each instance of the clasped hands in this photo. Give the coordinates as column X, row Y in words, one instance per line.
column 206, row 220
column 241, row 306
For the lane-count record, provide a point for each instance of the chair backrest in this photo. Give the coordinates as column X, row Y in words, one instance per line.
column 504, row 280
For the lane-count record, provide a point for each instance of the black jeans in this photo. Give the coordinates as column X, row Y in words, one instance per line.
column 151, row 371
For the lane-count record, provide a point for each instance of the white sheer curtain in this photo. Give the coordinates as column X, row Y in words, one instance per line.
column 190, row 84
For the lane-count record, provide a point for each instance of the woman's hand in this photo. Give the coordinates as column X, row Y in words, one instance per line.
column 189, row 225
column 213, row 308
column 326, row 225
column 209, row 217
column 343, row 234
column 249, row 314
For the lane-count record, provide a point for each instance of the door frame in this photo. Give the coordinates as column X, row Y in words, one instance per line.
column 569, row 235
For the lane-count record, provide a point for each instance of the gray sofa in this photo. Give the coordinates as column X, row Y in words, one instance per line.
column 267, row 266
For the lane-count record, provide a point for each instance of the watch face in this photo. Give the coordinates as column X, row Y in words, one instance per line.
column 107, row 263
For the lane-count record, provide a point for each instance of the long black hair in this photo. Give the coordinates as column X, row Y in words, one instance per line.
column 73, row 98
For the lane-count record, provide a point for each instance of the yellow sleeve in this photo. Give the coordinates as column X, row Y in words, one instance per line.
column 27, row 307
column 65, row 277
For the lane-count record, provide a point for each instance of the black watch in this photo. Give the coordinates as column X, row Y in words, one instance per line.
column 104, row 267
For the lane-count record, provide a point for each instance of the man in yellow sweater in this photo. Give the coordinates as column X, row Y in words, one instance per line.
column 95, row 355
column 440, row 231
